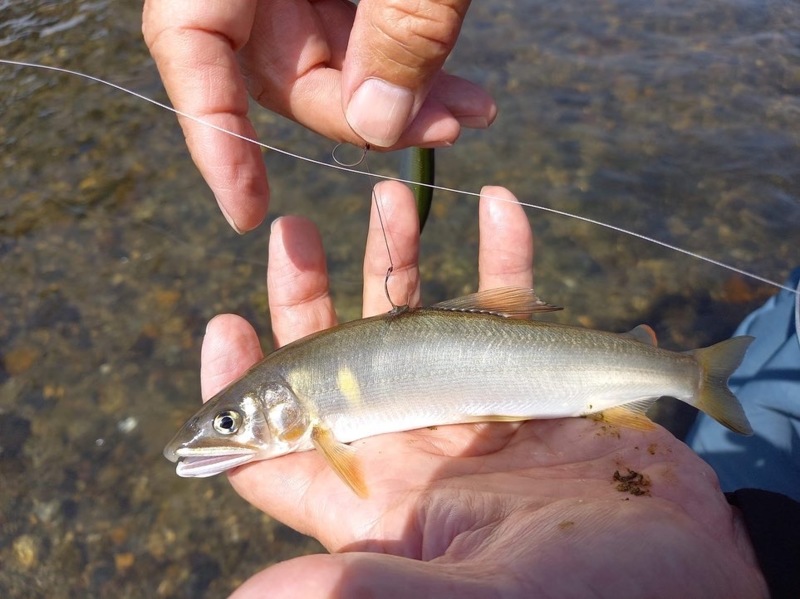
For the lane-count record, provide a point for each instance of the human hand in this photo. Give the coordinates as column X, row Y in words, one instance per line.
column 307, row 60
column 479, row 510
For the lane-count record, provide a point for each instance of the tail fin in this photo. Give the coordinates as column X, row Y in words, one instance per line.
column 714, row 398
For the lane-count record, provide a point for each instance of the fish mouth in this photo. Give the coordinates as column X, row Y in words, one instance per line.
column 201, row 466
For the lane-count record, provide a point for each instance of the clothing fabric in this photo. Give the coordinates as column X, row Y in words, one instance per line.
column 768, row 385
column 773, row 523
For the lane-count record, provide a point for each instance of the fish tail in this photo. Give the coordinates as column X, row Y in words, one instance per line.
column 718, row 363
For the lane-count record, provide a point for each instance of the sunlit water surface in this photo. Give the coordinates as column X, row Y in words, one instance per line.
column 673, row 118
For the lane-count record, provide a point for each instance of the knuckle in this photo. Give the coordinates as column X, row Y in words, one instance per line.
column 421, row 33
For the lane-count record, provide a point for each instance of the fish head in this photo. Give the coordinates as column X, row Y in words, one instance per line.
column 241, row 424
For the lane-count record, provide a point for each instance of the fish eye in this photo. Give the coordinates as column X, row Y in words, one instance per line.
column 227, row 422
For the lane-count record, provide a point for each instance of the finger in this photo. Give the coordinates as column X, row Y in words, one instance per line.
column 297, row 281
column 366, row 575
column 400, row 231
column 230, row 347
column 393, row 58
column 470, row 105
column 505, row 254
column 295, row 52
column 194, row 46
column 316, row 104
column 293, row 61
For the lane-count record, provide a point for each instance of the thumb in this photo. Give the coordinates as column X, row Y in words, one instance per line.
column 230, row 347
column 396, row 50
column 347, row 575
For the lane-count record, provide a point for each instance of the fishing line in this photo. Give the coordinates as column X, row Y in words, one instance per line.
column 363, row 160
column 349, row 169
column 395, row 307
column 344, row 164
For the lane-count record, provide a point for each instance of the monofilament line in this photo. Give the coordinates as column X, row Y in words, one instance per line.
column 348, row 169
column 390, row 270
column 374, row 196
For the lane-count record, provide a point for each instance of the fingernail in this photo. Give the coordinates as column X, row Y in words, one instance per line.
column 228, row 217
column 379, row 112
column 473, row 122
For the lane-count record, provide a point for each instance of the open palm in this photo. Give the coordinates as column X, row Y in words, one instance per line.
column 553, row 508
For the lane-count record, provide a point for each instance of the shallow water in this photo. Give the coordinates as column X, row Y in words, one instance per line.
column 675, row 119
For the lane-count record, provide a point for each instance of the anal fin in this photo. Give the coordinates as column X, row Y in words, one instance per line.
column 630, row 415
column 340, row 457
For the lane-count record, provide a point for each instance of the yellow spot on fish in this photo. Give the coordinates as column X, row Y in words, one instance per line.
column 348, row 385
column 299, row 378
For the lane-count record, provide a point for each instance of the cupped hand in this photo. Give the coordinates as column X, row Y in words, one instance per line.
column 550, row 509
column 371, row 73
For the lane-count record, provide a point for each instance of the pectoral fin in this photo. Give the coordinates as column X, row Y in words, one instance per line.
column 630, row 415
column 341, row 458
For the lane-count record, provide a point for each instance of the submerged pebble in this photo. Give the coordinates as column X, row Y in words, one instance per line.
column 26, row 551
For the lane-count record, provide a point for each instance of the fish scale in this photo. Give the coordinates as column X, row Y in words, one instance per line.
column 454, row 362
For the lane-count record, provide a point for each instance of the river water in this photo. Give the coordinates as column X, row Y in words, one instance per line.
column 673, row 118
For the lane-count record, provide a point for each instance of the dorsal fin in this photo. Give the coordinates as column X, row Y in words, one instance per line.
column 642, row 334
column 504, row 301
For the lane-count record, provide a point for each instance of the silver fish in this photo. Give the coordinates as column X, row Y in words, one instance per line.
column 458, row 361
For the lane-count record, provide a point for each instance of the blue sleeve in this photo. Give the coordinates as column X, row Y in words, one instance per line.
column 768, row 385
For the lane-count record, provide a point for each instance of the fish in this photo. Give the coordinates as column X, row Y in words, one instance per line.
column 465, row 360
